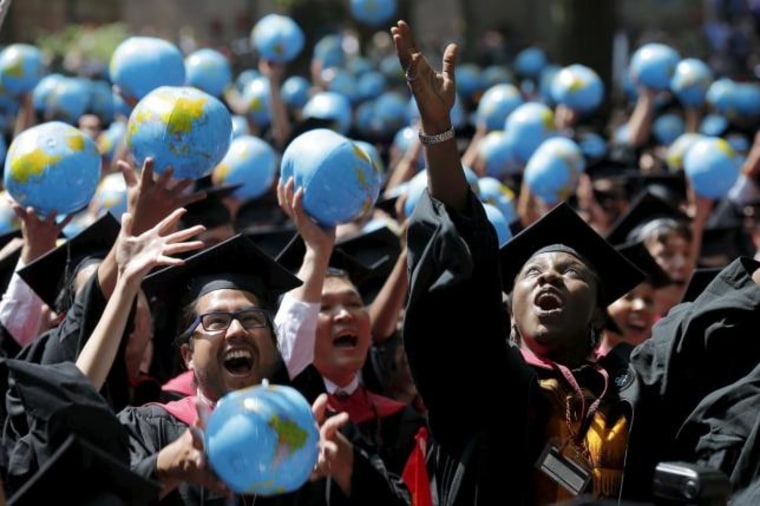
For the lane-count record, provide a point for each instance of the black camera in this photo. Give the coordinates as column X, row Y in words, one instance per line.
column 682, row 483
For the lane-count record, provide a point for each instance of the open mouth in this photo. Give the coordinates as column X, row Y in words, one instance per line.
column 346, row 341
column 238, row 362
column 548, row 301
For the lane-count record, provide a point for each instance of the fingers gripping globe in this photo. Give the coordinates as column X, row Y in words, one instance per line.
column 339, row 180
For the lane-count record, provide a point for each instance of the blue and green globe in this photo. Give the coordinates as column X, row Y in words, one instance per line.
column 110, row 196
column 262, row 440
column 52, row 167
column 250, row 162
column 339, row 180
column 180, row 127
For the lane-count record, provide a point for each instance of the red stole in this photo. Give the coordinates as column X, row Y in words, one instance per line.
column 183, row 410
column 363, row 405
column 182, row 384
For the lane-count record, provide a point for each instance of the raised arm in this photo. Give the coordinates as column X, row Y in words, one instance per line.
column 20, row 307
column 135, row 257
column 296, row 319
column 149, row 200
column 435, row 93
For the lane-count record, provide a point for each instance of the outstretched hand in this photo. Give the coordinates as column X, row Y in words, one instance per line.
column 434, row 92
column 137, row 255
column 149, row 199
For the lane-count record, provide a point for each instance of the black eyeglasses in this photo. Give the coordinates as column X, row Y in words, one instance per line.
column 213, row 323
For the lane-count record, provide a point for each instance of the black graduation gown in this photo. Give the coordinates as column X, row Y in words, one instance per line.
column 64, row 342
column 390, row 436
column 51, row 403
column 700, row 381
column 482, row 399
column 151, row 428
column 687, row 386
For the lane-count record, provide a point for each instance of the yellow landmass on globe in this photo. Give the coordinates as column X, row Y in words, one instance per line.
column 220, row 173
column 185, row 113
column 141, row 116
column 16, row 66
column 76, row 142
column 31, row 164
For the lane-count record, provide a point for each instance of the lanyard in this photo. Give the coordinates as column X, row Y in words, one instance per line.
column 586, row 416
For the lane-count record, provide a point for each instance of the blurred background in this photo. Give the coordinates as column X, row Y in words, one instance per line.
column 80, row 35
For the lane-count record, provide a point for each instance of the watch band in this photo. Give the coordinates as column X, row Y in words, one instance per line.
column 429, row 140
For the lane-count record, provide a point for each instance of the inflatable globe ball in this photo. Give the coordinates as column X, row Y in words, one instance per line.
column 43, row 89
column 496, row 104
column 530, row 61
column 527, row 127
column 208, row 70
column 498, row 155
column 373, row 12
column 139, row 65
column 720, row 95
column 553, row 170
column 257, row 103
column 48, row 158
column 340, row 183
column 691, row 80
column 712, row 167
column 330, row 106
column 577, row 87
column 496, row 193
column 179, row 127
column 499, row 222
column 69, row 99
column 110, row 196
column 21, row 68
column 295, row 91
column 277, row 38
column 262, row 440
column 249, row 161
column 667, row 128
column 678, row 148
column 653, row 65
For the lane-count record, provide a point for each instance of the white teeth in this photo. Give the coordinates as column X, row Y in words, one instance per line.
column 237, row 354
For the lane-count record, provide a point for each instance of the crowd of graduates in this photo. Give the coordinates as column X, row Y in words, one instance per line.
column 557, row 351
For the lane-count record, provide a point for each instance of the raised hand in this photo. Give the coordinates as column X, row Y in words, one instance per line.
column 40, row 234
column 317, row 238
column 149, row 199
column 434, row 92
column 137, row 255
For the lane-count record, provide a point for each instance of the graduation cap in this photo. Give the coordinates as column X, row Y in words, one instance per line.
column 49, row 274
column 669, row 186
column 8, row 266
column 562, row 226
column 210, row 211
column 375, row 244
column 639, row 256
column 260, row 212
column 645, row 208
column 271, row 239
column 388, row 205
column 724, row 242
column 292, row 255
column 234, row 263
column 87, row 475
column 7, row 237
column 698, row 281
column 608, row 168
